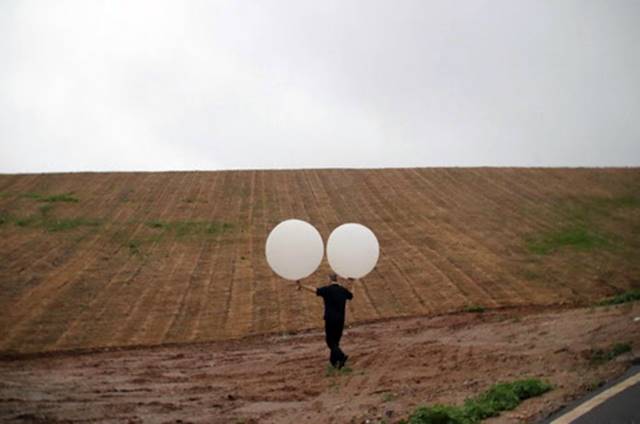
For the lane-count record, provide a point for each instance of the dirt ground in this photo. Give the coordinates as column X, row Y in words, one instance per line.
column 395, row 365
column 178, row 257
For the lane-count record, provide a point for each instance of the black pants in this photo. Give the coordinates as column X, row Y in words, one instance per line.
column 333, row 331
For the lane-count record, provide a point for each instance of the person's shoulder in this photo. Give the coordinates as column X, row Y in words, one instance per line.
column 347, row 293
column 342, row 289
column 321, row 290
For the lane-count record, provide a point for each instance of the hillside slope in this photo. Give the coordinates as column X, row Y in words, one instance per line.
column 113, row 259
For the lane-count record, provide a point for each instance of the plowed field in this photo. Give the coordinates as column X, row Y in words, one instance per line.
column 120, row 259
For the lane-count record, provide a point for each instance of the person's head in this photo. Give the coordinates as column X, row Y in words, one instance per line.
column 333, row 277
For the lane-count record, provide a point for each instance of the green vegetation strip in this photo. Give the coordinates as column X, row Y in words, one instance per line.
column 334, row 372
column 578, row 237
column 54, row 224
column 44, row 220
column 475, row 309
column 500, row 397
column 190, row 228
column 581, row 231
column 600, row 356
column 605, row 204
column 629, row 296
column 64, row 197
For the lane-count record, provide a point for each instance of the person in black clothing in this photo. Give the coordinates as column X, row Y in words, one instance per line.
column 335, row 298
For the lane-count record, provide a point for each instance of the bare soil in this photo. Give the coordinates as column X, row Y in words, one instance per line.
column 450, row 239
column 396, row 365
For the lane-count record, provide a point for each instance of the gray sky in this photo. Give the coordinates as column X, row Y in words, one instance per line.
column 155, row 85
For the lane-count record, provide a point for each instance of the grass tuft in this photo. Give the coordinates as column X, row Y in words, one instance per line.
column 182, row 229
column 64, row 197
column 134, row 247
column 475, row 309
column 500, row 397
column 54, row 225
column 620, row 348
column 30, row 221
column 333, row 372
column 600, row 356
column 628, row 296
column 605, row 203
column 439, row 414
column 577, row 237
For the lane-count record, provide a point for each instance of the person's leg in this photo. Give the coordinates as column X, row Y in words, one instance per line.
column 340, row 356
column 339, row 327
column 333, row 331
column 332, row 339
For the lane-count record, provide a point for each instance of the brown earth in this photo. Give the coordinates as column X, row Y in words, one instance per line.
column 395, row 364
column 155, row 258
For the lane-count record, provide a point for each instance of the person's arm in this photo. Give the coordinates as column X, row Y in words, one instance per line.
column 348, row 286
column 349, row 294
column 304, row 286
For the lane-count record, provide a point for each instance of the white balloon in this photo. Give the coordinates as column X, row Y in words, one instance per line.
column 352, row 250
column 294, row 249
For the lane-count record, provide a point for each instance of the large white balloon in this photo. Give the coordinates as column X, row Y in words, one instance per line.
column 352, row 250
column 294, row 249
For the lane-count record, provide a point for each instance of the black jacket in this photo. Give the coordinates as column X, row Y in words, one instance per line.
column 335, row 298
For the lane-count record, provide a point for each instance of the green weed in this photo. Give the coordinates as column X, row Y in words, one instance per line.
column 134, row 247
column 27, row 222
column 587, row 208
column 182, row 229
column 64, row 197
column 605, row 203
column 600, row 356
column 578, row 238
column 54, row 225
column 438, row 414
column 595, row 384
column 620, row 348
column 500, row 397
column 216, row 227
column 629, row 296
column 580, row 232
column 475, row 309
column 333, row 372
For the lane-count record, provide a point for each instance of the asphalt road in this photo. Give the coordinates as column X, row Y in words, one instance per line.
column 621, row 408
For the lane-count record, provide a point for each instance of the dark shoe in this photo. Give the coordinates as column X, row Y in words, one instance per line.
column 343, row 361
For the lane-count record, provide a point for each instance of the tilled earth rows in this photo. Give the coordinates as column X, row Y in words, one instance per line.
column 153, row 258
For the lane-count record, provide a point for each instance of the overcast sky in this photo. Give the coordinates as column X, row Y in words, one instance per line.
column 155, row 85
